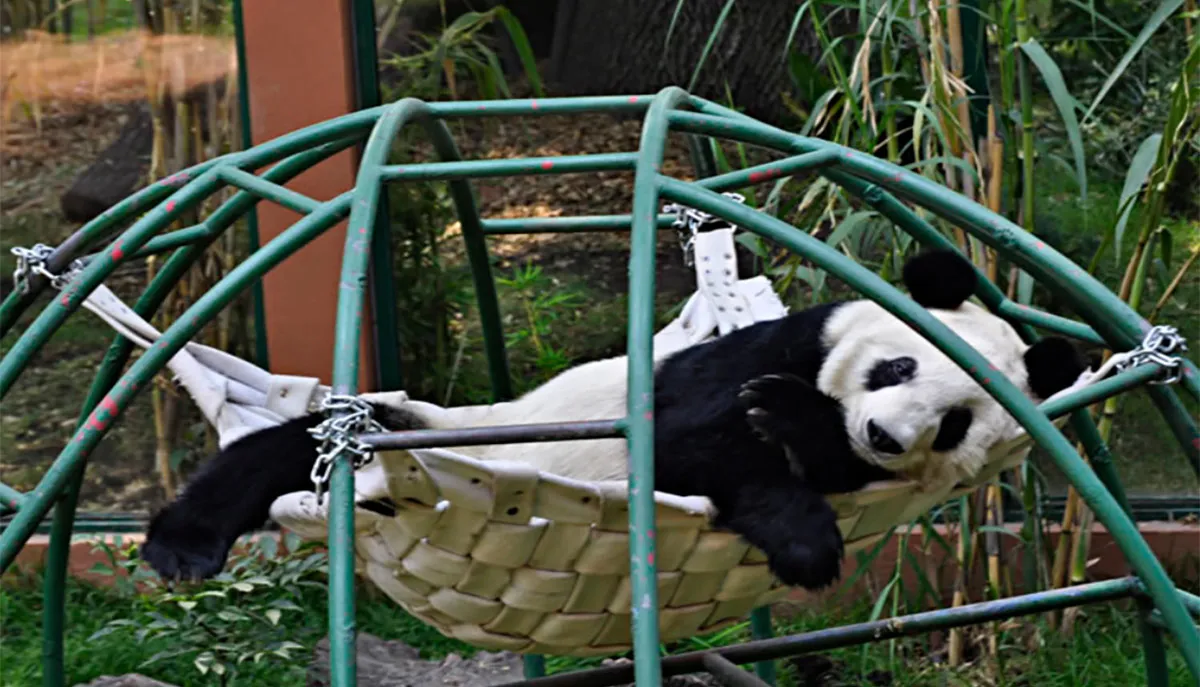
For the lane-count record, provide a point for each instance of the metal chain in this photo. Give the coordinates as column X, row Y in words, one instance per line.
column 1160, row 346
column 338, row 434
column 33, row 261
column 693, row 220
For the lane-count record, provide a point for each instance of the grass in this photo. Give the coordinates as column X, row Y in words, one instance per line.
column 1104, row 651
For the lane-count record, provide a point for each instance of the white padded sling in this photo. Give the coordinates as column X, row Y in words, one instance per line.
column 501, row 556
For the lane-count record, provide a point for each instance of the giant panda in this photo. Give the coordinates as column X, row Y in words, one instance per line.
column 763, row 421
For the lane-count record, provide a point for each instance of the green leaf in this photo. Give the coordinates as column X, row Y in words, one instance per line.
column 849, row 227
column 187, row 605
column 787, row 46
column 1135, row 178
column 273, row 615
column 671, row 27
column 1066, row 105
column 242, row 586
column 520, row 40
column 1166, row 9
column 1064, row 101
column 712, row 39
column 1024, row 287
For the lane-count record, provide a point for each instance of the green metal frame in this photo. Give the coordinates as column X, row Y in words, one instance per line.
column 881, row 185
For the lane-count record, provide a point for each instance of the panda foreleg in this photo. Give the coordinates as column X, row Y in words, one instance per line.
column 793, row 525
column 808, row 426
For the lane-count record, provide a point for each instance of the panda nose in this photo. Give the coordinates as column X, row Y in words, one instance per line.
column 882, row 441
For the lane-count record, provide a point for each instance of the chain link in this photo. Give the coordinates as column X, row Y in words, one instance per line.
column 693, row 220
column 1161, row 346
column 338, row 434
column 33, row 261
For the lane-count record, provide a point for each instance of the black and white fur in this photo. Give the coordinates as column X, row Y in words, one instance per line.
column 762, row 421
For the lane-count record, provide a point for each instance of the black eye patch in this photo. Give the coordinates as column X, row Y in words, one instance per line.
column 887, row 373
column 953, row 430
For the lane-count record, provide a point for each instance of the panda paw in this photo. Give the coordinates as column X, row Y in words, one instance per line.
column 812, row 561
column 182, row 546
column 765, row 398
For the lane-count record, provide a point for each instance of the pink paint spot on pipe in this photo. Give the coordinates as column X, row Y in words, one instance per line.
column 547, row 165
column 117, row 252
column 108, row 404
column 756, row 176
column 170, row 206
column 533, row 104
column 633, row 98
column 650, row 559
column 648, row 416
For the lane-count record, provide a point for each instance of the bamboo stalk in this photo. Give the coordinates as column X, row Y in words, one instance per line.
column 1175, row 282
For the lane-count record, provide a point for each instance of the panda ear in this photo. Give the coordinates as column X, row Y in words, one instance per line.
column 940, row 279
column 1052, row 365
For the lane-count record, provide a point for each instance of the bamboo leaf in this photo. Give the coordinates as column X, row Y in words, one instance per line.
column 671, row 26
column 1166, row 9
column 524, row 50
column 849, row 227
column 787, row 46
column 1024, row 287
column 1065, row 103
column 1135, row 178
column 708, row 45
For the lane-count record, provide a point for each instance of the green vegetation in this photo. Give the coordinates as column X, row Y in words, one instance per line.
column 117, row 629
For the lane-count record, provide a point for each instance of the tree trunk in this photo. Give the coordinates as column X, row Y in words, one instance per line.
column 617, row 46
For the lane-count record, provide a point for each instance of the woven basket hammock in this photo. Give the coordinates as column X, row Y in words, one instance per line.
column 503, row 557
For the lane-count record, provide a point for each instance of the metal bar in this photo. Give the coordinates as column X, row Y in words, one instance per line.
column 760, row 628
column 162, row 244
column 19, row 300
column 1055, row 323
column 381, row 283
column 526, row 166
column 640, row 386
column 495, row 434
column 1036, row 424
column 268, row 191
column 10, row 498
column 149, row 363
column 1179, row 420
column 859, row 633
column 556, row 225
column 63, row 523
column 56, row 312
column 477, row 256
column 1110, row 316
column 728, row 673
column 1191, row 602
column 368, row 187
column 533, row 666
column 1118, row 383
column 760, row 174
column 261, row 352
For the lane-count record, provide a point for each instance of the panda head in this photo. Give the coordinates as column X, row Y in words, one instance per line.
column 907, row 405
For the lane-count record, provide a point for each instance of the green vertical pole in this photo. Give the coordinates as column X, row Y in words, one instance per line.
column 534, row 666
column 1154, row 651
column 59, row 551
column 381, row 275
column 640, row 390
column 760, row 628
column 261, row 352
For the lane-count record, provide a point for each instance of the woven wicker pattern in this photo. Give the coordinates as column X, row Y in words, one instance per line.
column 506, row 558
